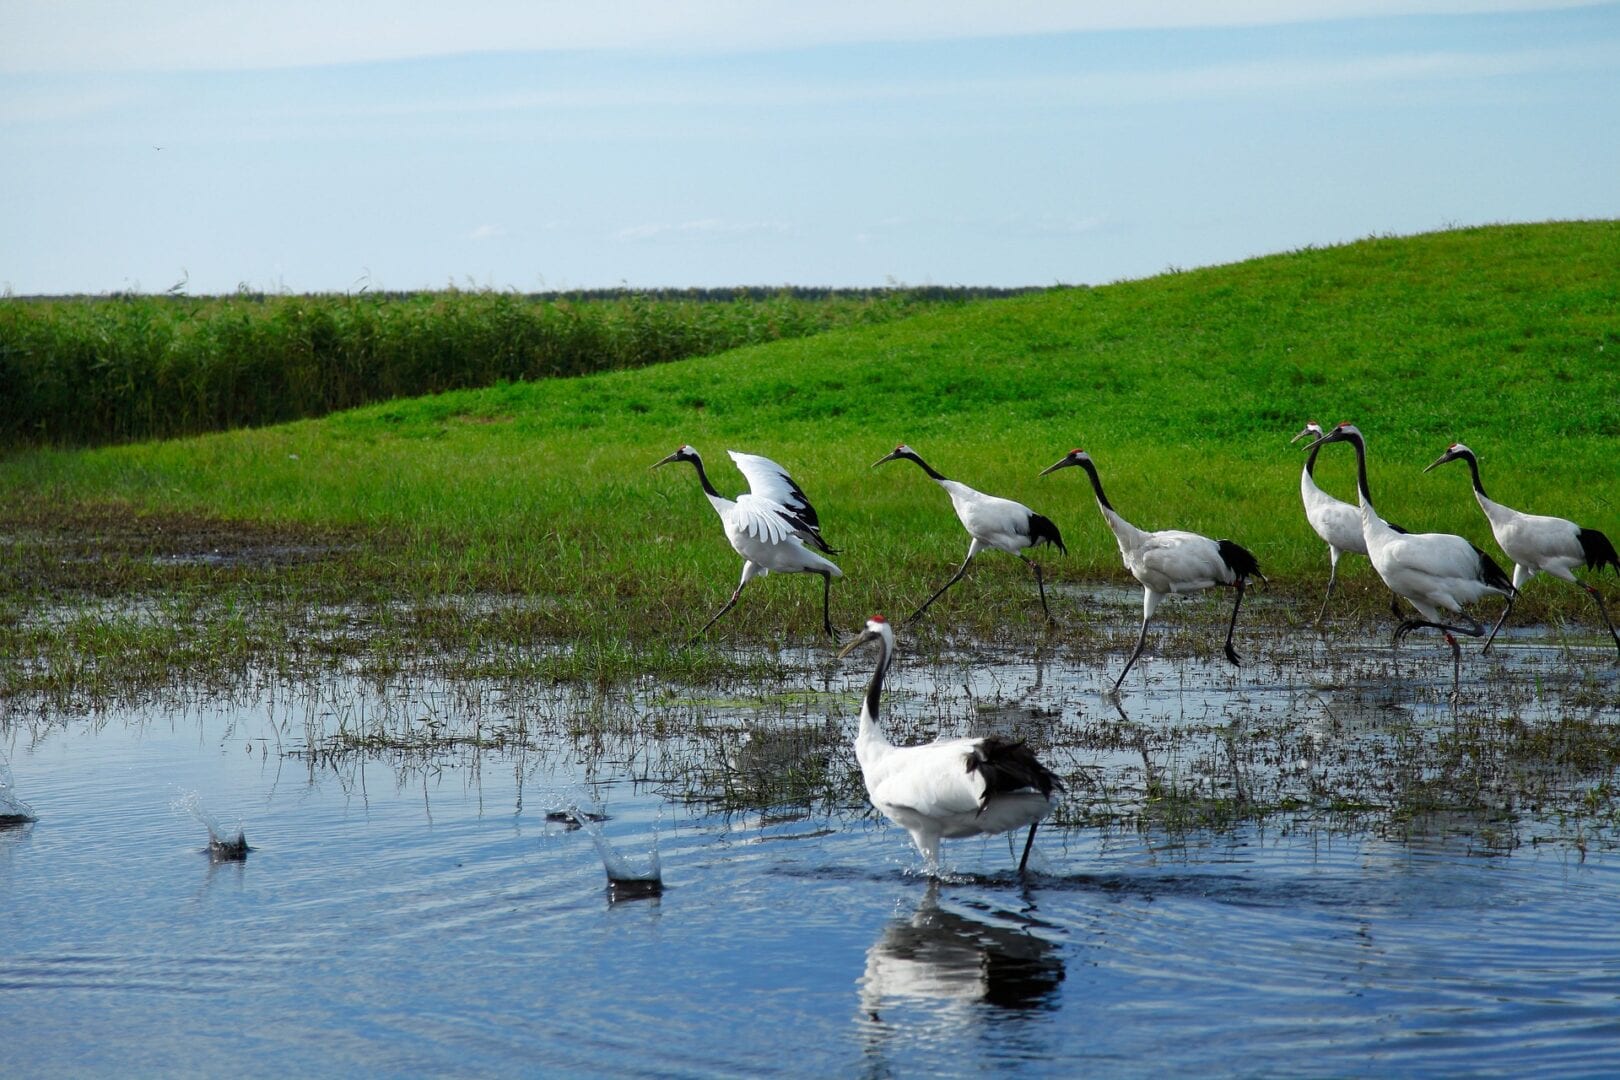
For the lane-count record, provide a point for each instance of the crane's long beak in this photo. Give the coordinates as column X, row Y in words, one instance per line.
column 859, row 640
column 1055, row 466
column 665, row 461
column 1332, row 436
column 1300, row 436
column 890, row 456
column 1441, row 460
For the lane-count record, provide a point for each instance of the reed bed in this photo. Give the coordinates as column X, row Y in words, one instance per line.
column 111, row 369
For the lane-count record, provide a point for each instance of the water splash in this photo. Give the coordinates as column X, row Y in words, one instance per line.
column 628, row 879
column 222, row 845
column 13, row 811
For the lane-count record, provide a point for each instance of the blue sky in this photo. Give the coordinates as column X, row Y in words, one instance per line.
column 310, row 147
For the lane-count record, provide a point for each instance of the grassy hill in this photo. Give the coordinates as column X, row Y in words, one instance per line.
column 1185, row 388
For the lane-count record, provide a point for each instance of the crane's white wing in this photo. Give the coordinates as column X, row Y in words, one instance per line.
column 769, row 480
column 1173, row 560
column 763, row 519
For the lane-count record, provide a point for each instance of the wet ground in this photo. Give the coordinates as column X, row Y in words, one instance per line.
column 1318, row 864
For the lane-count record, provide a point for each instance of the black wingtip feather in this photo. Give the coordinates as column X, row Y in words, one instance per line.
column 1043, row 531
column 1599, row 550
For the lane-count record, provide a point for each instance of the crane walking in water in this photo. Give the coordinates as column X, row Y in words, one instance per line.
column 1434, row 571
column 949, row 788
column 991, row 522
column 1169, row 561
column 1539, row 543
column 1335, row 521
column 772, row 526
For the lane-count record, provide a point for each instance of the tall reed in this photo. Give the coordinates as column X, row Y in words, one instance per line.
column 88, row 370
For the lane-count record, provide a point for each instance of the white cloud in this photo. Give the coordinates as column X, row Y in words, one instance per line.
column 158, row 35
column 486, row 232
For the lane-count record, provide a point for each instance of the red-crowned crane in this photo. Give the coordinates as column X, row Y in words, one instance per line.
column 1335, row 521
column 1434, row 571
column 772, row 526
column 991, row 522
column 949, row 788
column 1169, row 561
column 1538, row 543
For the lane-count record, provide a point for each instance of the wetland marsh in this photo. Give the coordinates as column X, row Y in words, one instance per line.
column 1315, row 864
column 401, row 650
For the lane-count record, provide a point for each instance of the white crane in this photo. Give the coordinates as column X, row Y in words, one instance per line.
column 1169, row 561
column 949, row 788
column 772, row 526
column 1539, row 543
column 1337, row 522
column 1434, row 571
column 991, row 522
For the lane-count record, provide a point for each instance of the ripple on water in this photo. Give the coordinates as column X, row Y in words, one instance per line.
column 419, row 915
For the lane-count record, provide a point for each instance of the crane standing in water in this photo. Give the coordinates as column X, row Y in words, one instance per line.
column 949, row 788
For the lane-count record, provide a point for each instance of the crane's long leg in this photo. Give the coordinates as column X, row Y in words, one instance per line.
column 729, row 605
column 1503, row 618
column 972, row 551
column 748, row 574
column 1231, row 653
column 1476, row 630
column 1029, row 843
column 1598, row 597
column 826, row 604
column 1333, row 577
column 1140, row 639
column 1039, row 584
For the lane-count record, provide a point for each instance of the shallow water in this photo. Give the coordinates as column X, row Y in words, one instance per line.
column 407, row 908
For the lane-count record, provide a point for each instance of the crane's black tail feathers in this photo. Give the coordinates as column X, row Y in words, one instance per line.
column 1010, row 765
column 1042, row 531
column 1240, row 560
column 1599, row 550
column 1493, row 575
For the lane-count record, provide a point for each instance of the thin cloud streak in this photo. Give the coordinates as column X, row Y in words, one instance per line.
column 1134, row 87
column 235, row 35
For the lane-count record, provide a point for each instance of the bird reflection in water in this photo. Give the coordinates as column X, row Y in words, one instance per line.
column 940, row 957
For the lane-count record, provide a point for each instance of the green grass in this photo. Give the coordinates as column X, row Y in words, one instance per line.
column 1185, row 388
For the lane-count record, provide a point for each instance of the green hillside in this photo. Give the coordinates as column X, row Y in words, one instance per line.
column 1185, row 388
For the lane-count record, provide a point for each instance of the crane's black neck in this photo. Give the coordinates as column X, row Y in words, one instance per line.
column 703, row 477
column 1360, row 444
column 1096, row 484
column 1473, row 467
column 874, row 689
column 1310, row 462
column 927, row 468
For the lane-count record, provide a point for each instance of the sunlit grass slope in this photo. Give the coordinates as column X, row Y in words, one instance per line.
column 1185, row 388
